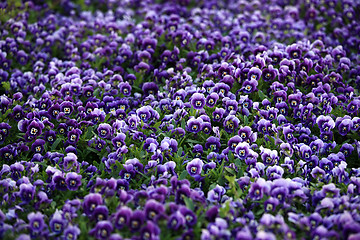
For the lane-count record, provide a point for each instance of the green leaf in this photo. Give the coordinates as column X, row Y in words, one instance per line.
column 89, row 133
column 53, row 204
column 57, row 141
column 107, row 117
column 6, row 86
column 183, row 123
column 183, row 175
column 230, row 170
column 192, row 141
column 157, row 125
column 189, row 203
column 179, row 151
column 246, row 120
column 262, row 96
column 3, row 116
column 223, row 212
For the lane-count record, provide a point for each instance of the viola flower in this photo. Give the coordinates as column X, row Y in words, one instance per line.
column 305, row 152
column 150, row 88
column 231, row 105
column 233, row 142
column 150, row 144
column 73, row 136
column 356, row 124
column 208, row 167
column 4, row 131
column 264, row 126
column 347, row 149
column 58, row 181
column 316, row 145
column 22, row 57
column 288, row 134
column 198, row 150
column 353, row 106
column 280, row 96
column 221, row 89
column 218, row 114
column 70, row 162
column 8, row 152
column 50, row 136
column 294, row 51
column 271, row 204
column 213, row 143
column 247, row 135
column 258, row 189
column 38, row 146
column 73, row 181
column 150, row 231
column 136, row 220
column 294, row 100
column 206, row 127
column 176, row 221
column 194, row 167
column 66, row 107
column 194, row 124
column 33, row 129
column 197, row 100
column 133, row 120
column 27, row 192
column 211, row 99
column 144, row 113
column 102, row 230
column 317, row 173
column 272, row 114
column 71, row 232
column 325, row 123
column 231, row 123
column 216, row 194
column 57, row 223
column 135, row 163
column 274, row 172
column 153, row 210
column 122, row 217
column 269, row 157
column 249, row 86
column 242, row 150
column 269, row 74
column 119, row 140
column 128, row 172
column 36, row 223
column 254, row 74
column 344, row 126
column 91, row 201
column 326, row 165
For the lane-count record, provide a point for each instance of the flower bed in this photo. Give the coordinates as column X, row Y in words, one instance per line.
column 180, row 119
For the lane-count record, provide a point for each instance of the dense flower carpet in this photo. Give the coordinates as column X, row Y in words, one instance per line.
column 180, row 119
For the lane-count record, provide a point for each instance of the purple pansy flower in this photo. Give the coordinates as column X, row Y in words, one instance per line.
column 194, row 167
column 104, row 130
column 73, row 181
column 216, row 194
column 197, row 100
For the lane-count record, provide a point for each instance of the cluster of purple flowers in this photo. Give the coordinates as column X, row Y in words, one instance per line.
column 182, row 120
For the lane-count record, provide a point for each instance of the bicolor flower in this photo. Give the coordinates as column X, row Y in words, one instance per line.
column 231, row 123
column 104, row 130
column 194, row 167
column 198, row 100
column 57, row 222
column 242, row 150
column 215, row 194
column 73, row 181
column 194, row 124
